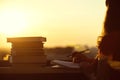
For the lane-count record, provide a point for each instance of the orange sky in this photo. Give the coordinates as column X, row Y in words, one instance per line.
column 62, row 22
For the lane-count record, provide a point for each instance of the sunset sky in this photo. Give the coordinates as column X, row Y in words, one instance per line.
column 62, row 22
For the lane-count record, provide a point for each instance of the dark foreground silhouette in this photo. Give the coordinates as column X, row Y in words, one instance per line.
column 55, row 76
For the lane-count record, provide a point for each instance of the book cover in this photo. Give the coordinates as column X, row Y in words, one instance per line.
column 26, row 39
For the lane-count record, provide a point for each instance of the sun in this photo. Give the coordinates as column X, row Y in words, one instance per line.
column 12, row 22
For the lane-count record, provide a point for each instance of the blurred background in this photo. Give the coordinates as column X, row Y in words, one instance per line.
column 65, row 23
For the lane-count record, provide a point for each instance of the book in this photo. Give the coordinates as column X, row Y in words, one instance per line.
column 29, row 59
column 26, row 49
column 27, row 45
column 29, row 53
column 66, row 64
column 26, row 39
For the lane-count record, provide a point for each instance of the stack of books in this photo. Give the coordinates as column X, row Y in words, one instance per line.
column 27, row 50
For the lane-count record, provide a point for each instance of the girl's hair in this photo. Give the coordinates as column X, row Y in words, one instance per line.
column 112, row 19
column 110, row 45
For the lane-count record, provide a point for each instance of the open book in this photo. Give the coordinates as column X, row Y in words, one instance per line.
column 66, row 64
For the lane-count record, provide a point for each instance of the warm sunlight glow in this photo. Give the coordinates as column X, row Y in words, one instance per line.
column 62, row 22
column 12, row 22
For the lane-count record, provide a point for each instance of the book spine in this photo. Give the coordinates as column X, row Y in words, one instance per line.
column 28, row 45
column 29, row 59
column 26, row 39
